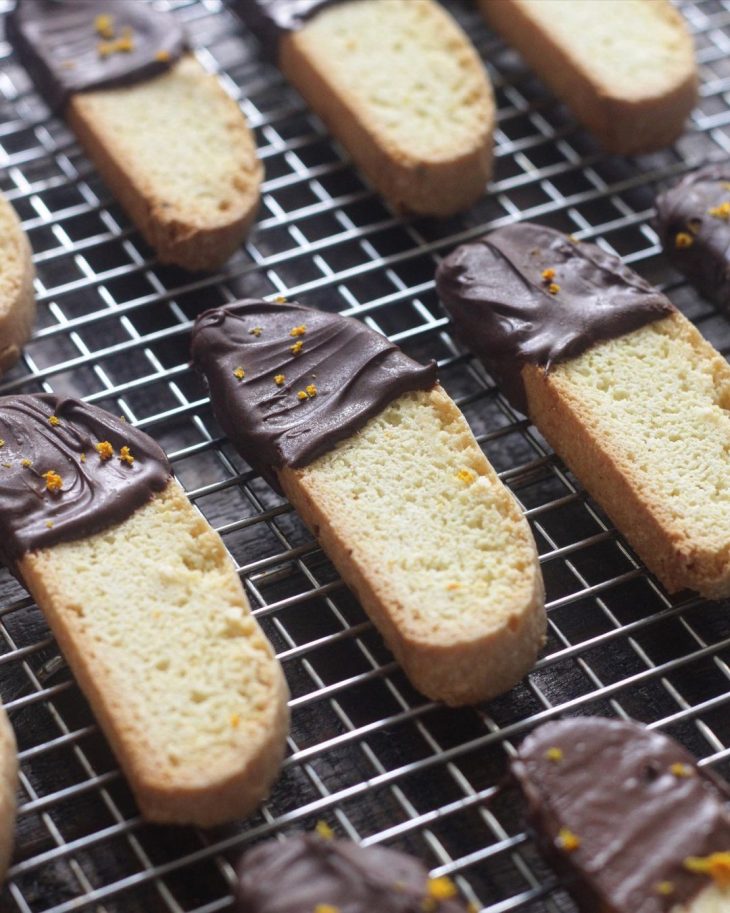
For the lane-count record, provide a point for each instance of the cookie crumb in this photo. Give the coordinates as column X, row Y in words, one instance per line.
column 324, row 830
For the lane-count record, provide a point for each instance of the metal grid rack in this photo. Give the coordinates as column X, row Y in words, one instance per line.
column 366, row 753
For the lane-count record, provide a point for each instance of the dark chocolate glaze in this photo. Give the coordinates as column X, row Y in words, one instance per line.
column 96, row 494
column 636, row 820
column 503, row 311
column 296, row 875
column 356, row 371
column 58, row 44
column 685, row 209
column 270, row 19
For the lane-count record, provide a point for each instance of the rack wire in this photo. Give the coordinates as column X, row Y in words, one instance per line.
column 367, row 753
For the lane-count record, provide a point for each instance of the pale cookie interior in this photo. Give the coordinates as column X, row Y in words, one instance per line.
column 154, row 623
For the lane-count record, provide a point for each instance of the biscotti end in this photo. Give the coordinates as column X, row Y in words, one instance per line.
column 644, row 421
column 180, row 676
column 632, row 86
column 400, row 85
column 17, row 299
column 8, row 785
column 442, row 559
column 177, row 153
column 626, row 816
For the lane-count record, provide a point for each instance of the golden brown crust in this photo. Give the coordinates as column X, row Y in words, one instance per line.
column 8, row 782
column 227, row 785
column 623, row 125
column 189, row 236
column 411, row 183
column 610, row 478
column 473, row 668
column 17, row 298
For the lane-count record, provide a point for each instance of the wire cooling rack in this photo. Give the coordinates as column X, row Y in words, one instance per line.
column 367, row 754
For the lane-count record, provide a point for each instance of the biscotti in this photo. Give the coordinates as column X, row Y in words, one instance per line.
column 17, row 299
column 399, row 85
column 147, row 608
column 625, row 68
column 623, row 387
column 173, row 147
column 317, row 873
column 382, row 467
column 8, row 784
column 627, row 817
column 693, row 222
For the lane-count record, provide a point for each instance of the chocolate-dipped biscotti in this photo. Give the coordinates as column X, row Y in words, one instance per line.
column 8, row 784
column 623, row 387
column 382, row 467
column 17, row 299
column 146, row 606
column 398, row 83
column 693, row 222
column 625, row 68
column 168, row 140
column 626, row 817
column 308, row 873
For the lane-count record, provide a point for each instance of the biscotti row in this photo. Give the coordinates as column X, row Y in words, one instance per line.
column 623, row 814
column 397, row 81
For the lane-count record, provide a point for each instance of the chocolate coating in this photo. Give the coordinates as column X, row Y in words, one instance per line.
column 685, row 209
column 296, row 875
column 58, row 44
column 504, row 312
column 270, row 19
column 637, row 821
column 96, row 494
column 356, row 371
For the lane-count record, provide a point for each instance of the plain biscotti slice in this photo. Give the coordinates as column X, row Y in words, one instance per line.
column 8, row 783
column 383, row 468
column 178, row 154
column 626, row 68
column 17, row 299
column 400, row 85
column 147, row 608
column 623, row 387
column 172, row 145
